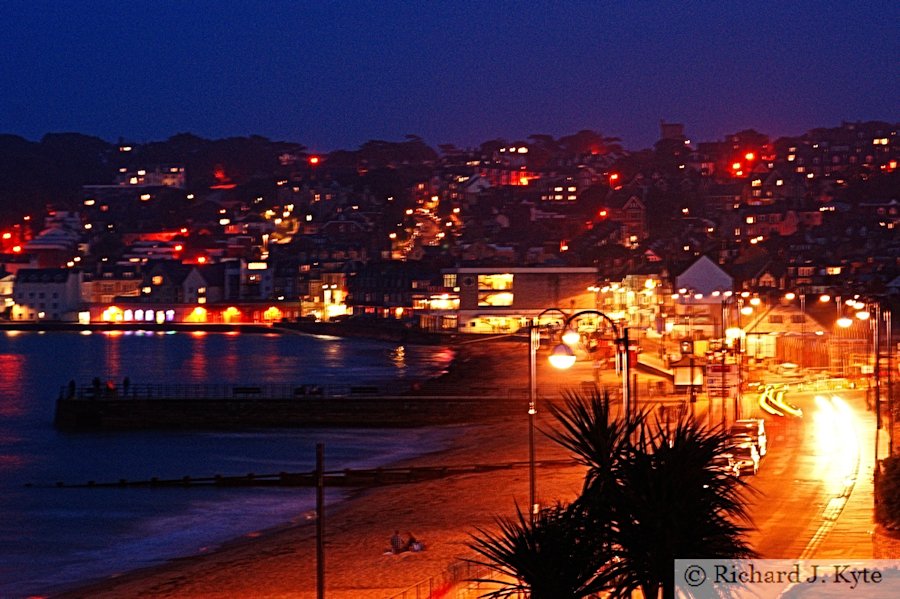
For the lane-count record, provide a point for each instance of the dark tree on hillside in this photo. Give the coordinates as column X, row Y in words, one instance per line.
column 492, row 146
column 52, row 171
column 587, row 141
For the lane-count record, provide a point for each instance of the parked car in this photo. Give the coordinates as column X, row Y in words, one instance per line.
column 726, row 464
column 747, row 457
column 756, row 428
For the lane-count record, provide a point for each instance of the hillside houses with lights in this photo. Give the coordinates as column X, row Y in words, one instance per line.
column 475, row 241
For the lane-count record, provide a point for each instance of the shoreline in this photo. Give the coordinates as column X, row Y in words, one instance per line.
column 280, row 561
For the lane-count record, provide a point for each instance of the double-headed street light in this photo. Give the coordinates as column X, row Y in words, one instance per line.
column 563, row 357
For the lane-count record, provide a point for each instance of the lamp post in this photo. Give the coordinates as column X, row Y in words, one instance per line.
column 563, row 357
column 790, row 296
column 534, row 344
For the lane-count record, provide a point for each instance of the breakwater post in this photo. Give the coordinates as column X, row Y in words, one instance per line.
column 320, row 520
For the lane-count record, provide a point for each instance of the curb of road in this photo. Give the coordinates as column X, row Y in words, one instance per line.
column 886, row 543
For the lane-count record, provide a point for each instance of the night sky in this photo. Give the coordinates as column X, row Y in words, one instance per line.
column 335, row 74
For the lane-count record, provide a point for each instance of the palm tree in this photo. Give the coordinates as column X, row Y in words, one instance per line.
column 677, row 505
column 651, row 491
column 557, row 557
column 651, row 494
column 596, row 438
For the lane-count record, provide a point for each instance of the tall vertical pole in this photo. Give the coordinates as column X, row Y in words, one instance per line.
column 534, row 342
column 877, row 343
column 890, row 382
column 627, row 408
column 722, row 389
column 320, row 521
column 693, row 399
column 802, row 330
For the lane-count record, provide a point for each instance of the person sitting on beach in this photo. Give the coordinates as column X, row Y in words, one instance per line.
column 397, row 543
column 414, row 544
column 411, row 543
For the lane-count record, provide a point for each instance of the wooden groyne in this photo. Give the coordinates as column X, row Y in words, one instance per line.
column 359, row 478
column 259, row 406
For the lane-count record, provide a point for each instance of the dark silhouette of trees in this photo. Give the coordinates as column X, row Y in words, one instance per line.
column 651, row 494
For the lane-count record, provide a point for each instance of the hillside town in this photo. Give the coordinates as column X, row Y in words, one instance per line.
column 676, row 240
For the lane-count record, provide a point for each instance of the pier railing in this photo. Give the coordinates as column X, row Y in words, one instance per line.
column 279, row 391
column 220, row 391
column 283, row 391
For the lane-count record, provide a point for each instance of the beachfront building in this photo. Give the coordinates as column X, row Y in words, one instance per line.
column 46, row 294
column 485, row 299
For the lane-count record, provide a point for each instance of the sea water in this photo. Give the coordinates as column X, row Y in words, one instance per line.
column 51, row 537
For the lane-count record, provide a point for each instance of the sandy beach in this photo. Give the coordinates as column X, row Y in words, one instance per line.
column 443, row 513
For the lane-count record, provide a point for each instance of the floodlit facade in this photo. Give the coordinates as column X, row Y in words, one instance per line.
column 502, row 300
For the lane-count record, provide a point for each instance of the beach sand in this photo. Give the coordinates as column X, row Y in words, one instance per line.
column 443, row 513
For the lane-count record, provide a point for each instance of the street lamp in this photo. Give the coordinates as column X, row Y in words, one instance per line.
column 790, row 296
column 534, row 343
column 563, row 357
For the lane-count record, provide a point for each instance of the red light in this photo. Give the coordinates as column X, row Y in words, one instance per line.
column 7, row 235
column 179, row 247
column 17, row 249
column 736, row 166
column 602, row 214
column 750, row 156
column 314, row 160
column 201, row 260
column 523, row 180
column 614, row 177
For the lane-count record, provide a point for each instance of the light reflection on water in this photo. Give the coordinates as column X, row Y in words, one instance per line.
column 50, row 536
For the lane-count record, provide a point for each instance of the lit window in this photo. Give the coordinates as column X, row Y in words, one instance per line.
column 502, row 298
column 495, row 282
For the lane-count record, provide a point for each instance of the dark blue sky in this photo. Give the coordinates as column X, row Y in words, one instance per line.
column 335, row 74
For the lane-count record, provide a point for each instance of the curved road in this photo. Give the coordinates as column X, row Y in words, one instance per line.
column 816, row 464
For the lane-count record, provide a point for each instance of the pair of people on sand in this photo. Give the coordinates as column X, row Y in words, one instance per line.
column 410, row 543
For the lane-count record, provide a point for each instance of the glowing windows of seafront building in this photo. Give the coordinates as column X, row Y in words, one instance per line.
column 117, row 314
column 495, row 289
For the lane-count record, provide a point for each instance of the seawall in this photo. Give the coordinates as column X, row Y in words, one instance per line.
column 238, row 413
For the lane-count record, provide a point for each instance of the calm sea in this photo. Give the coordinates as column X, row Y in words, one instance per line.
column 53, row 537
